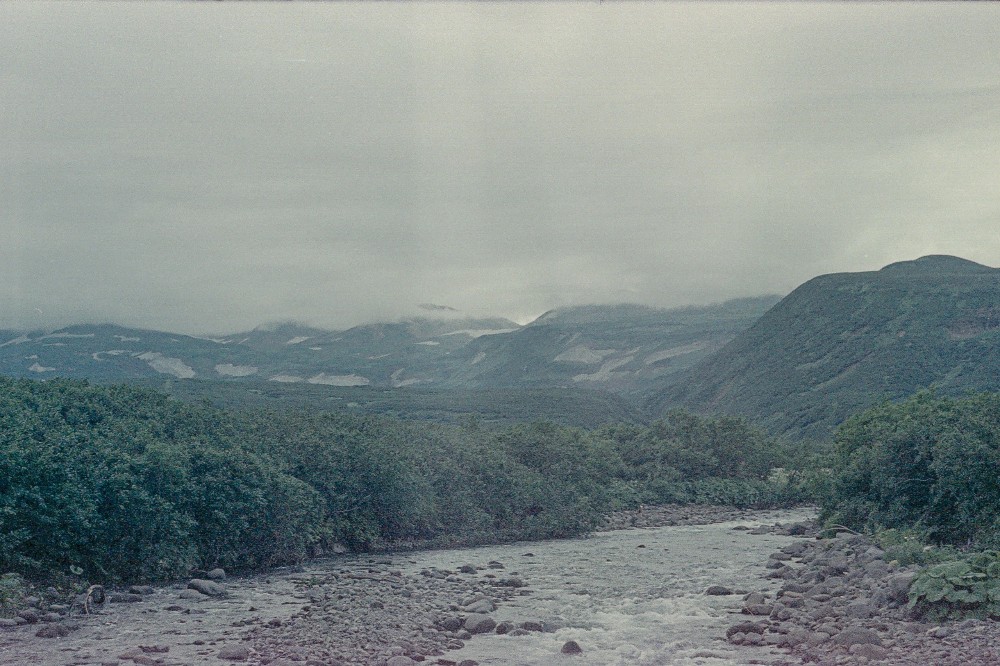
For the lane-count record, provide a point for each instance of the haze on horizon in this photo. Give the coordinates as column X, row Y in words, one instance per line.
column 207, row 167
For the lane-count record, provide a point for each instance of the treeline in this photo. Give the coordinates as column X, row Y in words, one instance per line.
column 129, row 484
column 929, row 464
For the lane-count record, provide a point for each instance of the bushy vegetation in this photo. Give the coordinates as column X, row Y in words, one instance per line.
column 928, row 464
column 129, row 484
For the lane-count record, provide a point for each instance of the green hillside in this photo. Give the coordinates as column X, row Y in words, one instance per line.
column 843, row 342
column 571, row 407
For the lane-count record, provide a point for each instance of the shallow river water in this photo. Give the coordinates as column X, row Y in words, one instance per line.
column 630, row 597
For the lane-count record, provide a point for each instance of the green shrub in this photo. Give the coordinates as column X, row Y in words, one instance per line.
column 126, row 484
column 926, row 463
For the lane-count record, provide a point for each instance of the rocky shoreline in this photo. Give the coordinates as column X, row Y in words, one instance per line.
column 356, row 611
column 841, row 602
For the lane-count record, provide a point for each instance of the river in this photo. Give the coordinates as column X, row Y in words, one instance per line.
column 629, row 597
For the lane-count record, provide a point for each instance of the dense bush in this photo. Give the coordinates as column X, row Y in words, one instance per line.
column 927, row 463
column 129, row 484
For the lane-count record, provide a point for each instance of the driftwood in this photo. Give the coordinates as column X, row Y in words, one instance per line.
column 95, row 594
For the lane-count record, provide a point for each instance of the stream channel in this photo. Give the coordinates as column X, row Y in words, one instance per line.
column 631, row 597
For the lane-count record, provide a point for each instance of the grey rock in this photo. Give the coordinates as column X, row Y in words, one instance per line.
column 450, row 623
column 207, row 587
column 216, row 574
column 29, row 615
column 899, row 585
column 718, row 591
column 860, row 610
column 757, row 609
column 571, row 647
column 481, row 606
column 857, row 636
column 873, row 653
column 478, row 623
column 400, row 660
column 54, row 631
column 511, row 582
column 234, row 653
column 193, row 595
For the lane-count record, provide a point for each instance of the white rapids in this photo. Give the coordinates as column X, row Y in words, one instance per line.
column 628, row 598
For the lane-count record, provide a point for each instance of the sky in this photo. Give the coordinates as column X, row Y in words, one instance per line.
column 209, row 167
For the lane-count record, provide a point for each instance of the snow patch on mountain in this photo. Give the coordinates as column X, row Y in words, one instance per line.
column 674, row 351
column 230, row 370
column 606, row 372
column 66, row 335
column 478, row 357
column 98, row 356
column 125, row 338
column 35, row 367
column 399, row 383
column 168, row 365
column 339, row 380
column 583, row 354
column 480, row 332
column 286, row 379
column 429, row 343
column 16, row 341
column 297, row 339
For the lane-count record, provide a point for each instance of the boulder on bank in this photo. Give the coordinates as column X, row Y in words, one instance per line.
column 477, row 623
column 207, row 587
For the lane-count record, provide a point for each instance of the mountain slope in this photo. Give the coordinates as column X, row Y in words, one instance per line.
column 845, row 341
column 621, row 348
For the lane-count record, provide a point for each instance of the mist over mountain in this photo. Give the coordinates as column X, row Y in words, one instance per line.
column 621, row 348
column 798, row 365
column 845, row 341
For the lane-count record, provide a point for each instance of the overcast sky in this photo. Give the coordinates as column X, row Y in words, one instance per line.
column 206, row 167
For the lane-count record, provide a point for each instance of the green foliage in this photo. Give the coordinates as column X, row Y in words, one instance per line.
column 959, row 588
column 927, row 463
column 13, row 589
column 120, row 484
column 908, row 546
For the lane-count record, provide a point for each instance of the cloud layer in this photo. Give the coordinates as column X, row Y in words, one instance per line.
column 207, row 167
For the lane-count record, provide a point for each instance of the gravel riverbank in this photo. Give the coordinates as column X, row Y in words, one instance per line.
column 841, row 602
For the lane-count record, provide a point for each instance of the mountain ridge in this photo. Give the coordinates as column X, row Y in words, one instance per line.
column 841, row 342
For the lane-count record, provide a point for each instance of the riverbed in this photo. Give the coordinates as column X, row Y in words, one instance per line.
column 632, row 597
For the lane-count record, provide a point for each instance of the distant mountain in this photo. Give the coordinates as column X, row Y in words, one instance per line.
column 621, row 348
column 842, row 342
column 377, row 354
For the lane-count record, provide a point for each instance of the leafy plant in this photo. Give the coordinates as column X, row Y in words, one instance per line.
column 959, row 588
